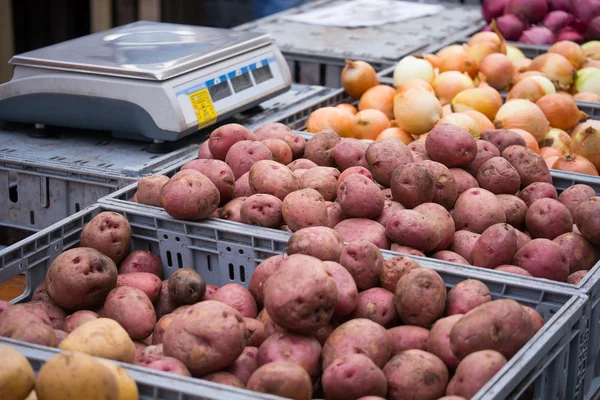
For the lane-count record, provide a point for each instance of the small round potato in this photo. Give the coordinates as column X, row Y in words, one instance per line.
column 224, row 137
column 27, row 324
column 587, row 217
column 393, row 269
column 543, row 258
column 280, row 150
column 536, row 191
column 463, row 243
column 413, row 229
column 323, row 179
column 498, row 176
column 109, row 233
column 262, row 210
column 354, row 170
column 242, row 186
column 282, row 378
column 390, row 207
column 347, row 290
column 335, row 215
column 446, row 189
column 377, row 304
column 270, row 177
column 416, row 374
column 496, row 246
column 364, row 262
column 450, row 256
column 530, row 165
column 262, row 272
column 319, row 148
column 502, row 138
column 317, row 241
column 463, row 179
column 515, row 209
column 77, row 319
column 476, row 210
column 451, row 145
column 245, row 365
column 412, row 184
column 360, row 197
column 467, row 295
column 574, row 195
column 149, row 189
column 406, row 337
column 186, row 286
column 581, row 254
column 485, row 151
column 242, row 155
column 442, row 220
column 420, row 297
column 256, row 332
column 132, row 309
column 148, row 283
column 284, row 346
column 304, row 208
column 474, row 372
column 170, row 365
column 276, row 130
column 301, row 163
column 383, row 156
column 438, row 341
column 354, row 229
column 189, row 195
column 219, row 174
column 232, row 211
column 204, row 151
column 142, row 261
column 548, row 218
column 353, row 376
column 238, row 297
column 350, row 152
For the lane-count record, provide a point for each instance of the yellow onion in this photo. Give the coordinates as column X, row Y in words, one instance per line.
column 464, row 121
column 569, row 50
column 556, row 68
column 566, row 94
column 514, row 53
column 522, row 114
column 393, row 132
column 357, row 77
column 497, row 70
column 592, row 49
column 417, row 111
column 486, row 100
column 560, row 111
column 479, row 51
column 530, row 141
column 532, row 88
column 588, row 80
column 433, row 60
column 483, row 121
column 527, row 74
column 589, row 63
column 557, row 139
column 412, row 67
column 368, row 124
column 486, row 37
column 585, row 141
column 339, row 121
column 415, row 83
column 450, row 83
column 522, row 64
column 456, row 58
column 587, row 97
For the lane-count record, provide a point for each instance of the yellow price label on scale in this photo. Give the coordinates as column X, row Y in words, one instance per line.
column 203, row 107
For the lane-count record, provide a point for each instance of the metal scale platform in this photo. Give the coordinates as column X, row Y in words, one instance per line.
column 145, row 81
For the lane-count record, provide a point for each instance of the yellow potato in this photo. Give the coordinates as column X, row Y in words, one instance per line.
column 101, row 337
column 127, row 387
column 16, row 375
column 75, row 376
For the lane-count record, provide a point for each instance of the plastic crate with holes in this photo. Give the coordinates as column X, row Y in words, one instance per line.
column 316, row 54
column 549, row 366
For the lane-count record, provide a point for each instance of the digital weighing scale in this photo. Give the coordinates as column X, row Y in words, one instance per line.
column 145, row 80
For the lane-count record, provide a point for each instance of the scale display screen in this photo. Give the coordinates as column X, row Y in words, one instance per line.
column 262, row 74
column 241, row 81
column 219, row 91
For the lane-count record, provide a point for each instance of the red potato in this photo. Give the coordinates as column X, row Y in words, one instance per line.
column 224, row 378
column 377, row 304
column 132, row 309
column 412, row 184
column 359, row 197
column 574, row 195
column 467, row 295
column 165, row 304
column 238, row 297
column 27, row 324
column 284, row 346
column 413, row 229
column 323, row 179
column 450, row 256
column 463, row 243
column 587, row 218
column 270, row 326
column 438, row 340
column 577, row 276
column 276, row 130
column 149, row 188
column 501, row 325
column 543, row 258
column 353, row 229
column 406, row 250
column 463, row 179
column 232, row 211
column 145, row 281
column 189, row 195
column 224, row 137
column 416, row 374
column 387, row 193
column 245, row 365
column 581, row 254
column 522, row 239
column 40, row 293
column 301, row 163
column 352, row 171
column 335, row 215
column 300, row 296
column 298, row 173
column 78, row 318
column 304, row 208
column 270, row 177
column 536, row 191
column 256, row 332
column 161, row 326
column 353, row 376
column 485, row 151
column 150, row 354
column 359, row 335
column 515, row 210
column 442, row 220
column 281, row 378
column 383, row 156
column 279, row 149
column 170, row 365
column 219, row 174
column 262, row 272
column 142, row 261
column 498, row 176
column 530, row 165
column 446, row 189
column 319, row 149
column 346, row 287
column 407, row 337
column 318, row 241
column 350, row 153
column 420, row 297
column 548, row 218
column 536, row 319
column 242, row 186
column 60, row 336
column 210, row 292
column 109, row 233
column 56, row 314
column 476, row 210
column 502, row 138
column 474, row 372
column 393, row 269
column 451, row 145
column 496, row 246
column 364, row 262
column 512, row 269
column 186, row 286
column 262, row 210
column 244, row 154
column 390, row 207
column 204, row 151
column 323, row 333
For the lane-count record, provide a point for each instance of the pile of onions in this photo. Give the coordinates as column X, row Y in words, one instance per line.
column 456, row 58
column 557, row 139
column 570, row 34
column 575, row 163
column 530, row 10
column 415, row 83
column 585, row 141
column 411, row 67
column 479, row 51
column 522, row 64
column 380, row 97
column 357, row 77
column 585, row 10
column 571, row 51
column 531, row 88
column 511, row 26
column 522, row 114
column 339, row 121
column 492, row 9
column 538, row 35
column 450, row 83
column 486, row 100
column 560, row 111
column 556, row 68
column 417, row 111
column 368, row 124
column 514, row 53
column 588, row 80
column 557, row 20
column 498, row 71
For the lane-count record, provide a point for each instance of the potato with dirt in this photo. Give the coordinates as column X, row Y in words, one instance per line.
column 149, row 189
column 270, row 177
column 360, row 197
column 515, row 210
column 451, row 145
column 543, row 258
column 318, row 241
column 218, row 172
column 262, row 273
column 276, row 130
column 319, row 149
column 148, row 283
column 413, row 229
column 186, row 286
column 256, row 332
column 463, row 243
column 353, row 376
column 245, row 365
column 393, row 269
column 530, row 165
column 450, row 256
column 244, row 154
column 80, row 278
column 502, row 325
column 384, row 156
column 224, row 137
column 232, row 211
column 21, row 322
column 463, row 179
column 165, row 304
column 587, row 218
column 390, row 207
column 548, row 219
column 442, row 220
column 476, row 210
column 142, row 261
column 474, row 372
column 416, row 374
column 282, row 378
column 467, row 295
column 446, row 189
column 350, row 152
column 300, row 296
column 359, row 335
column 353, row 229
column 109, row 233
column 498, row 176
column 406, row 337
column 364, row 262
column 420, row 297
column 262, row 210
column 412, row 184
column 574, row 195
column 438, row 340
column 536, row 191
column 377, row 304
column 354, row 170
column 502, row 138
column 581, row 254
column 496, row 246
column 207, row 337
column 132, row 309
column 280, row 150
column 346, row 287
column 189, row 195
column 238, row 297
column 304, row 208
column 304, row 351
column 485, row 151
column 56, row 314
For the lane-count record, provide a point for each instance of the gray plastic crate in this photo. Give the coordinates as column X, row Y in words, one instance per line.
column 316, row 54
column 223, row 252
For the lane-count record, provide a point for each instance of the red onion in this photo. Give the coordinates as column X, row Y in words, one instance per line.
column 586, row 10
column 560, row 5
column 538, row 35
column 557, row 20
column 593, row 29
column 510, row 26
column 492, row 9
column 530, row 10
column 571, row 34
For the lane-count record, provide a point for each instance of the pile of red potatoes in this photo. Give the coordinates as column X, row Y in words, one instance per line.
column 487, row 202
column 325, row 320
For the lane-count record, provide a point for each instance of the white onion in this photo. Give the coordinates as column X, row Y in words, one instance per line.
column 412, row 67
